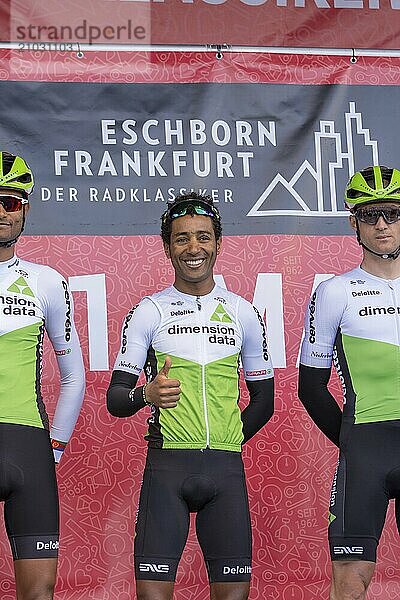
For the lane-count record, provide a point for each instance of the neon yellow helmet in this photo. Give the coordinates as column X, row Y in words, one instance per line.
column 15, row 173
column 373, row 184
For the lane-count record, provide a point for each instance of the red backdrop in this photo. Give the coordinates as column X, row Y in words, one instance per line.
column 289, row 464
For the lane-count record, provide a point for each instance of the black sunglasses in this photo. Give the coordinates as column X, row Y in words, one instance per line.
column 371, row 215
column 11, row 203
column 184, row 208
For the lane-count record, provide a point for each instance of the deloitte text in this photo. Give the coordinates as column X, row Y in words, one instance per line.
column 236, row 570
column 47, row 545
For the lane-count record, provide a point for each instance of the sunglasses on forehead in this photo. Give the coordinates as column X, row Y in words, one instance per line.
column 11, row 203
column 390, row 214
column 192, row 208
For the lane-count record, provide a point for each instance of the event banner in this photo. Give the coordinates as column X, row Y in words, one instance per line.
column 284, row 23
column 107, row 157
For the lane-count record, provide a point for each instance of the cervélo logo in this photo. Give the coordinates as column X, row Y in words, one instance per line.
column 264, row 335
column 67, row 313
column 124, row 329
column 311, row 310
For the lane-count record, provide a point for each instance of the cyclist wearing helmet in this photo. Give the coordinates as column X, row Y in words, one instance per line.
column 189, row 338
column 353, row 321
column 33, row 298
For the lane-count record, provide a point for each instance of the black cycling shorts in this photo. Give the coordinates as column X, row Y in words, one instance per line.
column 210, row 483
column 28, row 488
column 367, row 477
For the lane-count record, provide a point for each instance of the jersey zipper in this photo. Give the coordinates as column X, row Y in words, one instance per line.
column 393, row 291
column 396, row 304
column 203, row 378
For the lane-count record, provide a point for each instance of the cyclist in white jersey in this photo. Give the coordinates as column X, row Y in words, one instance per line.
column 188, row 338
column 353, row 321
column 33, row 299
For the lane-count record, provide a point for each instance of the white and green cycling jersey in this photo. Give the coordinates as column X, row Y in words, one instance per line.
column 205, row 336
column 34, row 299
column 353, row 320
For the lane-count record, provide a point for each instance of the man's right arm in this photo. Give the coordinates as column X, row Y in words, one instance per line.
column 322, row 321
column 124, row 399
column 121, row 401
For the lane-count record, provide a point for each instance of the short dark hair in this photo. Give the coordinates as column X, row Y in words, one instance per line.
column 190, row 198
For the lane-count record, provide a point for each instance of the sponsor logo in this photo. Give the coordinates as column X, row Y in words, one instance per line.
column 348, row 550
column 256, row 373
column 357, row 281
column 179, row 303
column 68, row 325
column 56, row 445
column 366, row 293
column 264, row 335
column 47, row 545
column 18, row 306
column 21, row 287
column 218, row 299
column 129, row 365
column 63, row 352
column 235, row 570
column 316, row 354
column 22, row 272
column 336, row 364
column 311, row 311
column 219, row 334
column 334, row 485
column 153, row 568
column 331, row 518
column 124, row 329
column 181, row 313
column 15, row 264
column 372, row 311
column 220, row 315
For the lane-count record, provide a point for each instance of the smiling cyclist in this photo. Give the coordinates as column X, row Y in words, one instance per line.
column 33, row 299
column 189, row 339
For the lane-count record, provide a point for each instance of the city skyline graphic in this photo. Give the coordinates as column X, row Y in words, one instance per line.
column 334, row 151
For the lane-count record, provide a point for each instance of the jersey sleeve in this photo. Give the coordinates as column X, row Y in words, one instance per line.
column 136, row 336
column 255, row 356
column 60, row 328
column 322, row 321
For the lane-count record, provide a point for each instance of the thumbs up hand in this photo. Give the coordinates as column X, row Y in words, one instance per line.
column 164, row 392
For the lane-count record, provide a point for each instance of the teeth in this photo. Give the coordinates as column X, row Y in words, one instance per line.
column 194, row 263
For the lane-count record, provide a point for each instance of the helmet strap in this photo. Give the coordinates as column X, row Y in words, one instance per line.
column 10, row 243
column 385, row 256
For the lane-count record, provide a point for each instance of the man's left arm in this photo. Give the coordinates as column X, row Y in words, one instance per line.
column 258, row 371
column 60, row 327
